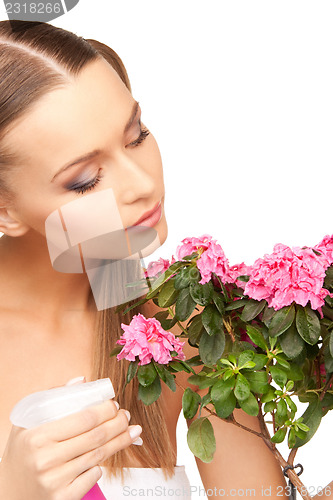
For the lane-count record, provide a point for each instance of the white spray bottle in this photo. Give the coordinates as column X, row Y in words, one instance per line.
column 45, row 406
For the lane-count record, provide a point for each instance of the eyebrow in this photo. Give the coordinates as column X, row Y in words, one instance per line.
column 96, row 152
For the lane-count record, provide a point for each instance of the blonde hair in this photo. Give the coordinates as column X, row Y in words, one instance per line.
column 35, row 59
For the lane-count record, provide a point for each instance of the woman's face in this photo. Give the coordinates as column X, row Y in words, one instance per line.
column 83, row 138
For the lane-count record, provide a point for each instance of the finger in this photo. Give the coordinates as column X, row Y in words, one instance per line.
column 95, row 438
column 99, row 455
column 84, row 482
column 77, row 423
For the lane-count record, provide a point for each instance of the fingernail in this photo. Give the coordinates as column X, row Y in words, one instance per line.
column 76, row 380
column 135, row 431
column 138, row 441
column 117, row 404
column 128, row 415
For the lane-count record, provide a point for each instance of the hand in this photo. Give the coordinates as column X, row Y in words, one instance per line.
column 59, row 460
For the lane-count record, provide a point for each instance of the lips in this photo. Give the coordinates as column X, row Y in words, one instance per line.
column 147, row 214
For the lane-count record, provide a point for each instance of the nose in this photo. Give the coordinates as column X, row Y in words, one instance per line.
column 132, row 179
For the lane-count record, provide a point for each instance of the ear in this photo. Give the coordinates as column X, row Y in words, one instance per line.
column 10, row 225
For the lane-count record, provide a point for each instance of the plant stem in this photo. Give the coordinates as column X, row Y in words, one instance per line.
column 328, row 383
column 290, row 472
column 229, row 330
column 265, row 436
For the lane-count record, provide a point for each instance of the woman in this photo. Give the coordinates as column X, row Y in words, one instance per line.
column 63, row 98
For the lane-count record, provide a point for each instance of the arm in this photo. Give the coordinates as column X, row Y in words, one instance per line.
column 328, row 490
column 243, row 466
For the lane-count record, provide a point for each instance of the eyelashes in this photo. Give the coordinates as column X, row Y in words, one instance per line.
column 143, row 135
column 93, row 182
column 88, row 186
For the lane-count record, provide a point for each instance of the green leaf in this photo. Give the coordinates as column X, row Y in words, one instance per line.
column 236, row 304
column 300, row 433
column 167, row 295
column 219, row 302
column 184, row 304
column 281, row 414
column 201, row 294
column 281, row 361
column 328, row 360
column 331, row 343
column 260, row 361
column 302, row 426
column 250, row 405
column 291, row 403
column 279, row 376
column 252, row 309
column 269, row 407
column 183, row 278
column 291, row 438
column 211, row 347
column 244, row 357
column 146, row 374
column 201, row 439
column 161, row 315
column 195, row 330
column 267, row 315
column 201, row 382
column 131, row 371
column 256, row 336
column 205, row 401
column 221, row 390
column 308, row 324
column 167, row 377
column 149, row 394
column 269, row 395
column 258, row 382
column 224, row 407
column 328, row 282
column 242, row 388
column 279, row 435
column 312, row 418
column 291, row 343
column 116, row 350
column 167, row 324
column 190, row 402
column 281, row 320
column 289, row 385
column 162, row 279
column 295, row 372
column 212, row 320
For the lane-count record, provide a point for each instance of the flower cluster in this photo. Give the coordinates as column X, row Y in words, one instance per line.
column 211, row 260
column 289, row 275
column 145, row 338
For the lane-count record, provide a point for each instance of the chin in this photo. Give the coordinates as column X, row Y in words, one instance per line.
column 162, row 229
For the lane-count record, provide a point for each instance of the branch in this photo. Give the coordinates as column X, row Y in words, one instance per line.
column 326, row 386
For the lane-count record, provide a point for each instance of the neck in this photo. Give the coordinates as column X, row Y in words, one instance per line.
column 28, row 278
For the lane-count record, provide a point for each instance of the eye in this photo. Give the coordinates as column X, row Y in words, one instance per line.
column 82, row 188
column 144, row 132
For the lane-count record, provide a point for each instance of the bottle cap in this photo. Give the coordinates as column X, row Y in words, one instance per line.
column 45, row 406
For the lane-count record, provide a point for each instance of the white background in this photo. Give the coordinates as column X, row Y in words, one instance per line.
column 239, row 97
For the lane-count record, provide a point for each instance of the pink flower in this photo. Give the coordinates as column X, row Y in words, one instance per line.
column 157, row 266
column 212, row 259
column 288, row 275
column 145, row 337
column 326, row 248
column 239, row 270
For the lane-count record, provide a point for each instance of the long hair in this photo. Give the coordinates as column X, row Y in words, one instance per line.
column 36, row 58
